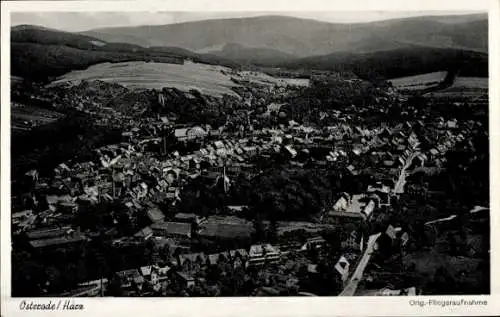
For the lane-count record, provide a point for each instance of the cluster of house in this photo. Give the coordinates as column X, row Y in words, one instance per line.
column 141, row 181
column 182, row 269
column 359, row 207
column 64, row 236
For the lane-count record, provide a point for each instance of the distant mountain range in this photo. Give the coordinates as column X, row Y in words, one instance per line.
column 305, row 37
column 384, row 48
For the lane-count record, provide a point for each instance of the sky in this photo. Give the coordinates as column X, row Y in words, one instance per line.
column 82, row 21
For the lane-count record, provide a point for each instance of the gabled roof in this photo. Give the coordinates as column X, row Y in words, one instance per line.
column 180, row 133
column 146, row 270
column 185, row 276
column 369, row 208
column 155, row 214
column 144, row 232
column 47, row 233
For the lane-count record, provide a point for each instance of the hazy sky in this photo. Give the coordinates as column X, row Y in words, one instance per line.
column 81, row 21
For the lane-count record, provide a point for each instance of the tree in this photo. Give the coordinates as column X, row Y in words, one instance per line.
column 273, row 230
column 258, row 225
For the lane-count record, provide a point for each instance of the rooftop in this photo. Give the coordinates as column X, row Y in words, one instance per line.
column 57, row 241
column 177, row 228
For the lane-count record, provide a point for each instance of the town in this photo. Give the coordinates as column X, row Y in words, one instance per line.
column 270, row 194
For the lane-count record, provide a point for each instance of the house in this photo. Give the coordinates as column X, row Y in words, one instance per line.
column 451, row 124
column 195, row 133
column 53, row 200
column 127, row 136
column 173, row 193
column 342, row 268
column 18, row 217
column 218, row 145
column 312, row 269
column 62, row 169
column 70, row 239
column 352, row 169
column 388, row 163
column 239, row 257
column 357, row 151
column 313, row 243
column 250, row 150
column 32, row 175
column 214, row 133
column 185, row 217
column 47, row 233
column 68, row 207
column 184, row 279
column 367, row 211
column 236, row 209
column 391, row 232
column 130, row 278
column 434, row 152
column 181, row 134
column 144, row 234
column 351, row 242
column 162, row 272
column 341, row 204
column 155, row 215
column 291, row 151
column 151, row 275
column 260, row 254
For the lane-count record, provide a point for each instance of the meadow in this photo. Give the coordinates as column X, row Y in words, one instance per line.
column 472, row 88
column 418, row 82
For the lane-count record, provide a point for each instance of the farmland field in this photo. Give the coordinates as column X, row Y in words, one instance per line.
column 419, row 81
column 208, row 79
column 472, row 87
column 469, row 83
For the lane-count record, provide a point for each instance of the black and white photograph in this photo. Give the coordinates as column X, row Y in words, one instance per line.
column 249, row 154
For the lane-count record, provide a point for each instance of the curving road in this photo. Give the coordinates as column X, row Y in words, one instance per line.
column 356, row 277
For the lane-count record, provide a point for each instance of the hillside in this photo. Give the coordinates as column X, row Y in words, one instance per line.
column 40, row 53
column 250, row 55
column 305, row 37
column 398, row 62
column 371, row 50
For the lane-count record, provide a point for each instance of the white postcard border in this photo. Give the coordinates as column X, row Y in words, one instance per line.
column 284, row 306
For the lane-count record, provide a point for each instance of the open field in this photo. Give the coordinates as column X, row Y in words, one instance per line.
column 468, row 84
column 466, row 87
column 419, row 81
column 207, row 79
